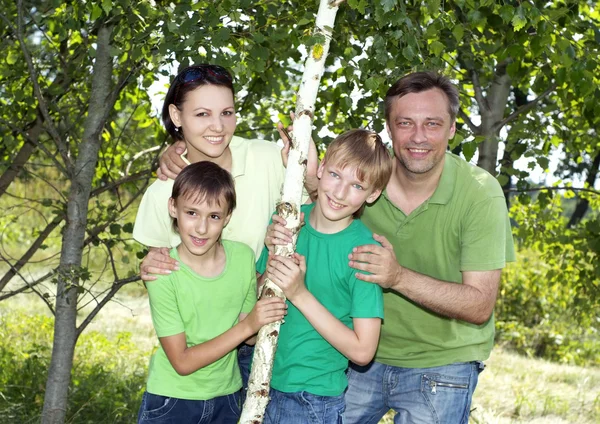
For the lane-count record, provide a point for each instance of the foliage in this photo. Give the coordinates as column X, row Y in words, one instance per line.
column 549, row 300
column 108, row 379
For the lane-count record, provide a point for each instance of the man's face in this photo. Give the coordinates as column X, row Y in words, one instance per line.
column 420, row 126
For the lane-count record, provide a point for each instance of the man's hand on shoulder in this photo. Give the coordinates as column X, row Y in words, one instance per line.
column 380, row 261
column 157, row 262
column 170, row 163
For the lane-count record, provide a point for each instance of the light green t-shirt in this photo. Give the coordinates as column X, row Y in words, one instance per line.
column 203, row 308
column 464, row 226
column 258, row 174
column 305, row 361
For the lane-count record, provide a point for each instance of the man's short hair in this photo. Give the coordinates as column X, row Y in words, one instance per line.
column 418, row 82
column 365, row 151
column 204, row 182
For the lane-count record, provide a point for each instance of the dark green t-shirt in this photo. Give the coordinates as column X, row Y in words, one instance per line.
column 305, row 361
column 464, row 226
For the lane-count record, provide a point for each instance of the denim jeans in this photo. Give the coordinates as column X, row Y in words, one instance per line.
column 304, row 408
column 245, row 353
column 158, row 409
column 438, row 395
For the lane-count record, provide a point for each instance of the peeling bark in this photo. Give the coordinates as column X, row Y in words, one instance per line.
column 264, row 354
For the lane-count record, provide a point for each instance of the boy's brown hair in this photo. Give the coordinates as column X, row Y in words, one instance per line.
column 204, row 181
column 363, row 150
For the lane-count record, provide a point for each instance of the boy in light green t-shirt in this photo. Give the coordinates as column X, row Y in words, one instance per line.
column 203, row 311
column 332, row 316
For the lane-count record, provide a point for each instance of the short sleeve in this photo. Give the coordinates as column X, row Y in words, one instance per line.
column 486, row 242
column 163, row 307
column 250, row 300
column 367, row 298
column 153, row 225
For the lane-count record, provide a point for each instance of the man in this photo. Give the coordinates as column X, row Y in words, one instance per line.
column 445, row 236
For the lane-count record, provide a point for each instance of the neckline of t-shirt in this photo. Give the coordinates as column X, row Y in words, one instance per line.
column 319, row 234
column 188, row 269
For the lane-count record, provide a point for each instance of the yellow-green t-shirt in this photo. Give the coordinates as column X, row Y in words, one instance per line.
column 202, row 308
column 258, row 174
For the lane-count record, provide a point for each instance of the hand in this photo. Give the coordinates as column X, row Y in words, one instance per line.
column 266, row 311
column 278, row 234
column 312, row 164
column 288, row 274
column 157, row 261
column 380, row 261
column 170, row 163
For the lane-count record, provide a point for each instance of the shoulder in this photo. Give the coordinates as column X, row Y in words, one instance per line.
column 361, row 233
column 256, row 146
column 238, row 250
column 160, row 188
column 475, row 180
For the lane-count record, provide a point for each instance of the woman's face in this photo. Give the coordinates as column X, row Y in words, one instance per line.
column 207, row 119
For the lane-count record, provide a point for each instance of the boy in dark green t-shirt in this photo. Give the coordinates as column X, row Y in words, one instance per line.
column 332, row 316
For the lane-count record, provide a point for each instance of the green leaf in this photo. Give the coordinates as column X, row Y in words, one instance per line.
column 372, row 84
column 388, row 5
column 506, row 13
column 519, row 20
column 469, row 150
column 458, row 31
column 437, row 48
column 128, row 228
column 96, row 12
column 12, row 57
column 107, row 6
column 115, row 229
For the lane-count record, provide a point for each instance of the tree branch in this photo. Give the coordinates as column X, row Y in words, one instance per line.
column 62, row 147
column 116, row 286
column 522, row 109
column 525, row 190
column 474, row 128
column 481, row 100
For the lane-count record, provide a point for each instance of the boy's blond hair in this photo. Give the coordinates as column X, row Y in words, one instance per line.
column 363, row 150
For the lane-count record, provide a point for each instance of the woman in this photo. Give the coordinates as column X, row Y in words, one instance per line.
column 199, row 114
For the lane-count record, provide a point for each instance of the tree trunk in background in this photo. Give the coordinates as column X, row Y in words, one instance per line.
column 68, row 280
column 289, row 208
column 492, row 112
column 583, row 204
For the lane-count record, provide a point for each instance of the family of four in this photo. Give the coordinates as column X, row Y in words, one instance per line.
column 390, row 311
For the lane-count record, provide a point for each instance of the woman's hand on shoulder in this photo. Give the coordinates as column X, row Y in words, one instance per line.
column 170, row 163
column 157, row 262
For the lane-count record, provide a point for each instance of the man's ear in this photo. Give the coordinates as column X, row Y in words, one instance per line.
column 175, row 115
column 452, row 129
column 387, row 128
column 373, row 196
column 172, row 208
column 320, row 169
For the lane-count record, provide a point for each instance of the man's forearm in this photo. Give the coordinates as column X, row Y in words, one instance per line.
column 465, row 302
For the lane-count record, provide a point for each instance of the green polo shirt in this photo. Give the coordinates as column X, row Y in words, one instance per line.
column 464, row 226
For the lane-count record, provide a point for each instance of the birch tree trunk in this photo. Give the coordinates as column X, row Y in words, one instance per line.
column 264, row 354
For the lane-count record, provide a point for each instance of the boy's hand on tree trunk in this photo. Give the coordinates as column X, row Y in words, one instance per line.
column 288, row 274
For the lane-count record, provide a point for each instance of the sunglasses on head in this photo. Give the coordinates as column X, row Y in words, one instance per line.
column 196, row 73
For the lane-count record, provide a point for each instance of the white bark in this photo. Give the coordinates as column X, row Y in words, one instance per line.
column 289, row 208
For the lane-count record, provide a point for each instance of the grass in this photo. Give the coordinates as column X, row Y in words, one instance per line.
column 112, row 357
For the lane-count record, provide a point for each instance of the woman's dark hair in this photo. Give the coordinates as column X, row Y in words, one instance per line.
column 204, row 182
column 188, row 80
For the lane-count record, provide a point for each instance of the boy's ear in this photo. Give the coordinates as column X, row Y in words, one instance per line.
column 174, row 113
column 227, row 218
column 172, row 208
column 373, row 196
column 320, row 169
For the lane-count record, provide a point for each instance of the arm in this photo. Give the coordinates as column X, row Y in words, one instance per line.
column 170, row 163
column 358, row 345
column 157, row 262
column 186, row 360
column 472, row 301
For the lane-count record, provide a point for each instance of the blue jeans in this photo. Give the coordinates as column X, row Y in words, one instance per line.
column 304, row 408
column 245, row 353
column 438, row 395
column 158, row 409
